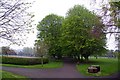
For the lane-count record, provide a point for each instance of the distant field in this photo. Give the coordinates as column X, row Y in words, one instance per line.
column 108, row 66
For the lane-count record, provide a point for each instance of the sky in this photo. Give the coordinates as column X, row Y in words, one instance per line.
column 41, row 8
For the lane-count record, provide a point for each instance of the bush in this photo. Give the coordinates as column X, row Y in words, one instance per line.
column 23, row 61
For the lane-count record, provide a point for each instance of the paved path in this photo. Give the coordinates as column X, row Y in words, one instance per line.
column 67, row 71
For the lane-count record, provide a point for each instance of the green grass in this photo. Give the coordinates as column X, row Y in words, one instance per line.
column 57, row 64
column 8, row 75
column 107, row 66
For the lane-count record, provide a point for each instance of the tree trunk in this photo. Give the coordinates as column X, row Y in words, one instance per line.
column 42, row 60
column 81, row 58
column 59, row 56
column 78, row 57
column 96, row 57
column 86, row 58
column 53, row 56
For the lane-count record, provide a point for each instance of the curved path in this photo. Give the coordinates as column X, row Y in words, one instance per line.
column 67, row 71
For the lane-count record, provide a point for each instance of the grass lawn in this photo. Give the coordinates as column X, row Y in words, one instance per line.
column 108, row 66
column 8, row 75
column 57, row 64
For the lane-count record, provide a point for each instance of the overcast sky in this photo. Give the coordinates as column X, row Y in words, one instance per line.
column 41, row 8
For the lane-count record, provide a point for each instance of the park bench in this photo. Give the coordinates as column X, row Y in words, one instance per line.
column 94, row 69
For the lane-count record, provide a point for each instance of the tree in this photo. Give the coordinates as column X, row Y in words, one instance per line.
column 11, row 52
column 15, row 20
column 5, row 50
column 117, row 53
column 115, row 12
column 41, row 48
column 109, row 9
column 28, row 51
column 110, row 16
column 82, row 32
column 49, row 32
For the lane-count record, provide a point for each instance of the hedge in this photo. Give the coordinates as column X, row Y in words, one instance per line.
column 23, row 61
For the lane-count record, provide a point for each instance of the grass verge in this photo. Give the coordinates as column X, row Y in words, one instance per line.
column 107, row 66
column 8, row 75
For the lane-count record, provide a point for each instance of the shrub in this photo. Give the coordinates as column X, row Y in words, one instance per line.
column 23, row 61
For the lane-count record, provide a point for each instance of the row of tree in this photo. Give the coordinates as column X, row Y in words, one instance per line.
column 26, row 51
column 78, row 35
column 7, row 51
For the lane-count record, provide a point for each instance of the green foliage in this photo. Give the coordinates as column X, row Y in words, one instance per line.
column 116, row 54
column 82, row 33
column 22, row 61
column 79, row 34
column 49, row 29
column 115, row 11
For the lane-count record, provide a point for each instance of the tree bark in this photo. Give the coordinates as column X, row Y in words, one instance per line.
column 86, row 58
column 78, row 56
column 81, row 58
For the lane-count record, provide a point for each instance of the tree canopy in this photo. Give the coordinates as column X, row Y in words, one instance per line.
column 49, row 31
column 82, row 31
column 79, row 34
